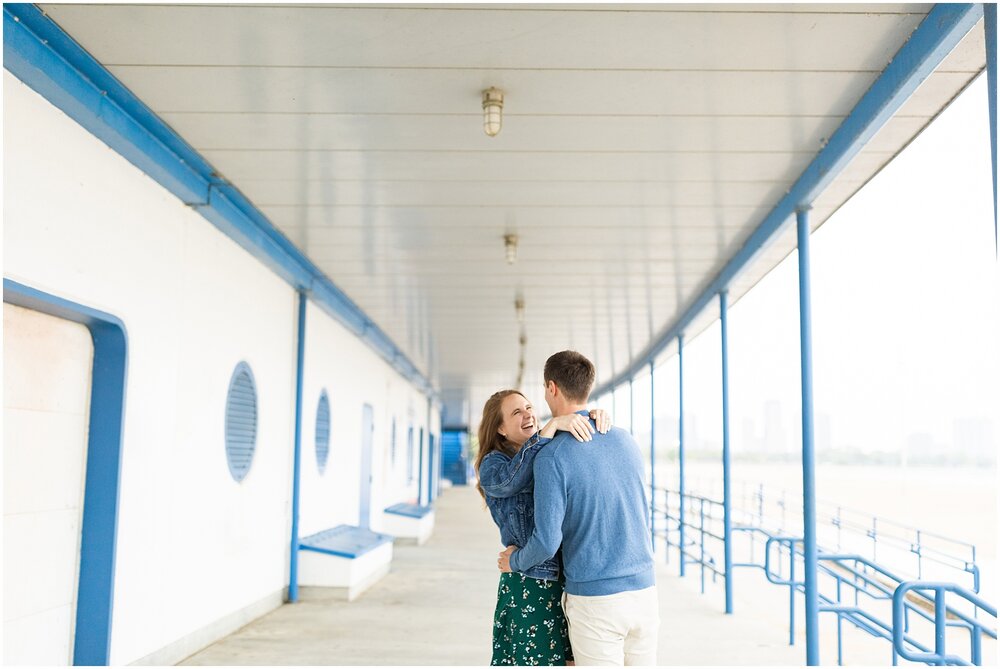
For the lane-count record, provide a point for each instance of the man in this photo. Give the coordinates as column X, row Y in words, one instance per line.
column 590, row 498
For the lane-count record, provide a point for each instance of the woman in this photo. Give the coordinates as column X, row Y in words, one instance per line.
column 528, row 627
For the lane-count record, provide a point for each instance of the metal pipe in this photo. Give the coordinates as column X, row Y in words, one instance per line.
column 791, row 592
column 840, row 628
column 431, row 446
column 701, row 529
column 652, row 452
column 990, row 25
column 940, row 618
column 680, row 444
column 727, row 502
column 293, row 566
column 808, row 447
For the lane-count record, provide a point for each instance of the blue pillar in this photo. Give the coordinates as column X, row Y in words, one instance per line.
column 430, row 452
column 808, row 450
column 990, row 24
column 727, row 501
column 293, row 569
column 652, row 456
column 680, row 442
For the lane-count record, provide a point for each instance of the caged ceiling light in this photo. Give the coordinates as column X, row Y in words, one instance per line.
column 510, row 248
column 492, row 111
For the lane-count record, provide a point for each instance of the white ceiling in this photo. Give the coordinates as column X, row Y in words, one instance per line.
column 641, row 146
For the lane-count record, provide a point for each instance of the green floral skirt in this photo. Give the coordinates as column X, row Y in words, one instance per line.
column 529, row 627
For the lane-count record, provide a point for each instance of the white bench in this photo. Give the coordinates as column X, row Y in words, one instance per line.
column 342, row 562
column 409, row 522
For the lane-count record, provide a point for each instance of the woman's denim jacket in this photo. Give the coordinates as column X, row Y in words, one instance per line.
column 509, row 487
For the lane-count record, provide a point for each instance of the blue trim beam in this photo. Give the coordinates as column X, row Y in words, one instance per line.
column 39, row 53
column 935, row 37
column 99, row 533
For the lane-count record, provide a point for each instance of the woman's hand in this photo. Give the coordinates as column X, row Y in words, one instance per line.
column 503, row 562
column 602, row 419
column 573, row 423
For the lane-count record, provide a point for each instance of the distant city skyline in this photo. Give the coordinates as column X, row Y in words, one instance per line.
column 906, row 295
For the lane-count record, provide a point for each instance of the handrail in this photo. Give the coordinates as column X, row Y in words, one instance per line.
column 899, row 536
column 864, row 582
column 939, row 656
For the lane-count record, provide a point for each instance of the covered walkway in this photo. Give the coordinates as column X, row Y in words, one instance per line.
column 435, row 607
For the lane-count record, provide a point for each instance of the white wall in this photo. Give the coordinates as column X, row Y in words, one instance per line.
column 352, row 375
column 194, row 546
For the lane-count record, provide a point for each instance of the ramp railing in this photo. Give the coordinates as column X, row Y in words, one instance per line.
column 869, row 592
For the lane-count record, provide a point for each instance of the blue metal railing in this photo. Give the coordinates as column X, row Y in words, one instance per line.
column 865, row 580
column 941, row 611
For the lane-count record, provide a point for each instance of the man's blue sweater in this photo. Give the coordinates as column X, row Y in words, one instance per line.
column 590, row 498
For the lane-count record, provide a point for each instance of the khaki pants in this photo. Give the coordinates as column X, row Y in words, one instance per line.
column 612, row 630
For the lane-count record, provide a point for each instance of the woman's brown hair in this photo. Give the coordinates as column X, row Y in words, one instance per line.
column 489, row 435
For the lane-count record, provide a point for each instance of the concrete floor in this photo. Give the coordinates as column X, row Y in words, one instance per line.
column 435, row 607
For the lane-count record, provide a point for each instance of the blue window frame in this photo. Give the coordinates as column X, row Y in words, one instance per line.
column 241, row 421
column 322, row 431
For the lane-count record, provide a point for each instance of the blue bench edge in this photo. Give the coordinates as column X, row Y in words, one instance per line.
column 381, row 539
column 409, row 510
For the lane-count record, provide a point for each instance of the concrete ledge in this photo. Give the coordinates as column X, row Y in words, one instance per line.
column 316, row 593
column 192, row 643
column 343, row 577
column 408, row 529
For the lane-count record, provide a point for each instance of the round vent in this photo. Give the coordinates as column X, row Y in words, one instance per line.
column 241, row 421
column 322, row 431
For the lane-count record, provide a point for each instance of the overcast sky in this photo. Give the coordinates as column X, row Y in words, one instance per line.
column 906, row 308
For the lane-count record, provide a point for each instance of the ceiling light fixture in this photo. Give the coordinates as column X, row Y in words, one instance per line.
column 492, row 111
column 510, row 248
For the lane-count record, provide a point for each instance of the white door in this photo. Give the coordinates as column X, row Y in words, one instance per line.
column 367, row 437
column 46, row 385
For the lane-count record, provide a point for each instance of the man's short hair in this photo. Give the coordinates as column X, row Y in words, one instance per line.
column 573, row 373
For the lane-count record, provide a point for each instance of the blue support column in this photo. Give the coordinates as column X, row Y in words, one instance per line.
column 990, row 24
column 680, row 442
column 727, row 501
column 293, row 569
column 431, row 492
column 652, row 456
column 808, row 449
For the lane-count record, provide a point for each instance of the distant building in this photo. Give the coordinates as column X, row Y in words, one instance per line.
column 973, row 439
column 775, row 436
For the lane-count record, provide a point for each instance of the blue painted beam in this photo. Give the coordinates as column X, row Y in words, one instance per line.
column 39, row 53
column 808, row 446
column 934, row 38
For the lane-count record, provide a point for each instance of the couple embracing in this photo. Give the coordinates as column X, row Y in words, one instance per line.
column 570, row 502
